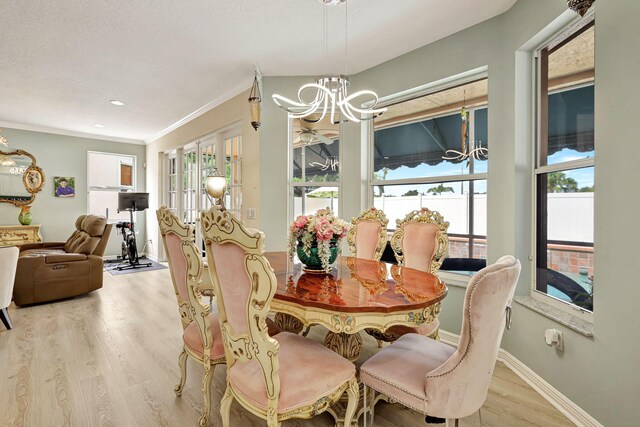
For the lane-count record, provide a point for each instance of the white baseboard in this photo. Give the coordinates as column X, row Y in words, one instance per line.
column 562, row 403
column 151, row 257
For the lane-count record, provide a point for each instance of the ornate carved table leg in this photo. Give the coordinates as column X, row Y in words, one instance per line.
column 346, row 345
column 288, row 323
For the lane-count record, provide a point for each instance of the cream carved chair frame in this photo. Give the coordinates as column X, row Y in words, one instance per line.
column 371, row 214
column 222, row 227
column 192, row 310
column 423, row 216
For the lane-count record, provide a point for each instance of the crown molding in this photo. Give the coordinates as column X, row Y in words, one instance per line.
column 57, row 131
column 235, row 91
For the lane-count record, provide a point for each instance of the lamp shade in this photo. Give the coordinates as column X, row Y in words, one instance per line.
column 254, row 103
column 254, row 106
column 216, row 186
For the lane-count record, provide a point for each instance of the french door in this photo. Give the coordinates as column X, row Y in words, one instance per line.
column 187, row 170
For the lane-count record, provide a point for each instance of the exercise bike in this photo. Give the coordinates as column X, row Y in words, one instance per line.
column 129, row 248
column 132, row 202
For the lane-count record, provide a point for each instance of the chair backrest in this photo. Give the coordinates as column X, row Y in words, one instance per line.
column 368, row 234
column 459, row 386
column 186, row 267
column 420, row 240
column 8, row 265
column 245, row 284
column 90, row 236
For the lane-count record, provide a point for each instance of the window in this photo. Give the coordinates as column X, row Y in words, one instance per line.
column 207, row 165
column 189, row 186
column 108, row 175
column 316, row 165
column 564, row 170
column 417, row 161
column 233, row 168
column 172, row 183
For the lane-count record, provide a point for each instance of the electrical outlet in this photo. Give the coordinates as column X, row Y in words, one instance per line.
column 553, row 338
column 251, row 213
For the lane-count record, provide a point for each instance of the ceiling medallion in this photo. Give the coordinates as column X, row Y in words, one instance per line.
column 329, row 95
column 580, row 6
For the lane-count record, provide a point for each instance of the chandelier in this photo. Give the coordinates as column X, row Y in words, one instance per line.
column 329, row 94
column 330, row 162
column 478, row 153
column 580, row 6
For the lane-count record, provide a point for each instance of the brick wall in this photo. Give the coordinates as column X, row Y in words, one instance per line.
column 570, row 259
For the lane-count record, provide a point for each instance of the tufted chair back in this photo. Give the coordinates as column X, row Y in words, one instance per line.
column 459, row 387
column 87, row 239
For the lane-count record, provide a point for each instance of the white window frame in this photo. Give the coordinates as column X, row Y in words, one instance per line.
column 190, row 194
column 168, row 158
column 292, row 185
column 427, row 89
column 568, row 29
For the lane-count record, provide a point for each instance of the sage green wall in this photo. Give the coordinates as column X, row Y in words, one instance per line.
column 60, row 155
column 599, row 374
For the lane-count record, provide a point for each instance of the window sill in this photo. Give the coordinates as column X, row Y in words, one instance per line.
column 572, row 322
column 458, row 280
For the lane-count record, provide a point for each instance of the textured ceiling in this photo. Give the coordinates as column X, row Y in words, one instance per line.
column 62, row 61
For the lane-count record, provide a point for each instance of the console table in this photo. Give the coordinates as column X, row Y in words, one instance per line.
column 16, row 235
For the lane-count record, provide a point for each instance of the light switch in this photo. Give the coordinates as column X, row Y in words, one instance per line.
column 251, row 213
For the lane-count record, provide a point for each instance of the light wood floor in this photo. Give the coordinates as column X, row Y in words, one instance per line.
column 110, row 358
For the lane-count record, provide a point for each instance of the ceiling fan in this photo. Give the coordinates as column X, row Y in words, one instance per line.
column 307, row 134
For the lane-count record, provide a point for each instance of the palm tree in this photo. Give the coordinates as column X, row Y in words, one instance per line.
column 439, row 189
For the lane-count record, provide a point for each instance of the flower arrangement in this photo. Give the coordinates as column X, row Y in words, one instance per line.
column 322, row 231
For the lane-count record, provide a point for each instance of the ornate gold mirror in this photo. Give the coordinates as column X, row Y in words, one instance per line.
column 20, row 178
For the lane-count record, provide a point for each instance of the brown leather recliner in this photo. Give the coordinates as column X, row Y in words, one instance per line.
column 54, row 270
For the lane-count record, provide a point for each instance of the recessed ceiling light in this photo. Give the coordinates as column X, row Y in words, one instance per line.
column 116, row 102
column 98, row 125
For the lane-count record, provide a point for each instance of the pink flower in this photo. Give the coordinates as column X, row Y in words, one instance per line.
column 301, row 221
column 324, row 230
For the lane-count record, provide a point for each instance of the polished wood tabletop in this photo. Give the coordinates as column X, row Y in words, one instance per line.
column 356, row 285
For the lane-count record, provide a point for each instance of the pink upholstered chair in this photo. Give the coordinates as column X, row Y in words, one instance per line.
column 419, row 242
column 287, row 376
column 439, row 380
column 201, row 329
column 8, row 265
column 367, row 236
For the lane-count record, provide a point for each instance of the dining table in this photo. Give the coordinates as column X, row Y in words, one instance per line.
column 353, row 295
